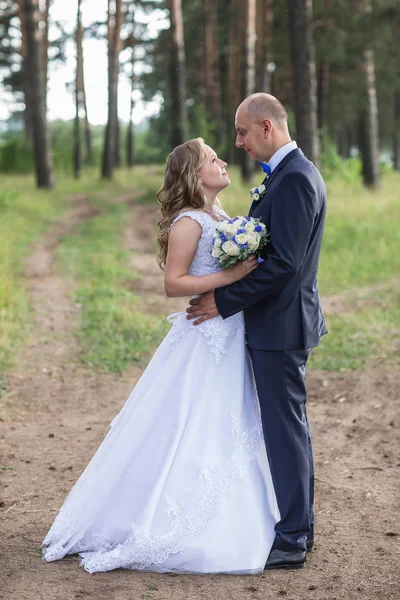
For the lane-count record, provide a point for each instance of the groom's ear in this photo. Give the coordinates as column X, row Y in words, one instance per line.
column 267, row 126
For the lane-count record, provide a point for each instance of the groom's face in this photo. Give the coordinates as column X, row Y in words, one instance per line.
column 250, row 136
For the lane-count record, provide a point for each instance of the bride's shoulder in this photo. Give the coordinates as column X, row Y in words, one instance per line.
column 194, row 215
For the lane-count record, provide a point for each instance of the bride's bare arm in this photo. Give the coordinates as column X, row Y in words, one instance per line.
column 182, row 245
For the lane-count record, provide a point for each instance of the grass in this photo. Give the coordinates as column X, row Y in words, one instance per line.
column 112, row 331
column 357, row 336
column 361, row 249
column 24, row 215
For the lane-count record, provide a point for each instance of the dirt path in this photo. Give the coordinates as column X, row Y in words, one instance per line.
column 57, row 411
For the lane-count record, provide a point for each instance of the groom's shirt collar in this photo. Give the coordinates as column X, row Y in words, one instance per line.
column 280, row 155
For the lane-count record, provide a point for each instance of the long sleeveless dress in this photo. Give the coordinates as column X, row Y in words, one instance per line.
column 181, row 483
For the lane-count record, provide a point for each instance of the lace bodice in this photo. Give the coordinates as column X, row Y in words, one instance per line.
column 217, row 331
column 203, row 263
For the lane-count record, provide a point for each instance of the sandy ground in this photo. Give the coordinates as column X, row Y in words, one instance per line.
column 56, row 412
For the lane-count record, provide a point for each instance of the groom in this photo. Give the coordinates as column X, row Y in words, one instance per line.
column 283, row 315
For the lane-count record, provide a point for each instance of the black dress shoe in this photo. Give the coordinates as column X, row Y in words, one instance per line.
column 309, row 545
column 280, row 559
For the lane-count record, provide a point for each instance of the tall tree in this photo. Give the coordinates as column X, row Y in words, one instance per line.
column 212, row 84
column 114, row 20
column 323, row 76
column 179, row 112
column 44, row 6
column 264, row 54
column 80, row 101
column 77, row 159
column 368, row 117
column 246, row 164
column 26, row 80
column 368, row 124
column 81, row 85
column 303, row 61
column 36, row 77
column 130, row 134
column 397, row 130
column 235, row 80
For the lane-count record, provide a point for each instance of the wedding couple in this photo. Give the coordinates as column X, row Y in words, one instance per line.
column 208, row 468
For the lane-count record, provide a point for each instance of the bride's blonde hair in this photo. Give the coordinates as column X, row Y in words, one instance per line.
column 181, row 189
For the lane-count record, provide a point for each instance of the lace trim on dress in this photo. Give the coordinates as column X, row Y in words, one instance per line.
column 216, row 331
column 186, row 521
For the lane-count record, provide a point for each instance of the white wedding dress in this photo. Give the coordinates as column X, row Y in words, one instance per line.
column 181, row 481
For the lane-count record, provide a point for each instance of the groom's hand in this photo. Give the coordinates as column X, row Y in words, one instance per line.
column 202, row 308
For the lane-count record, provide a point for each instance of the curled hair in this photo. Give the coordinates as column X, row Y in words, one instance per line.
column 181, row 188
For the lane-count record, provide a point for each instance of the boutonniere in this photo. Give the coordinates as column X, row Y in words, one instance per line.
column 257, row 192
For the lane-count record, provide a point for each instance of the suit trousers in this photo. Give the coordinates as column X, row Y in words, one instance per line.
column 280, row 381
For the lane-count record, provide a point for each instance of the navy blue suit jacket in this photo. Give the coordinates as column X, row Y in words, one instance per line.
column 280, row 298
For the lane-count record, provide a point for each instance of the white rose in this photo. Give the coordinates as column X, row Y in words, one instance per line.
column 253, row 239
column 261, row 188
column 222, row 226
column 249, row 226
column 241, row 238
column 231, row 229
column 256, row 196
column 216, row 252
column 230, row 248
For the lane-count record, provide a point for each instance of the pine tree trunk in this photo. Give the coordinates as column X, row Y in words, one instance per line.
column 45, row 46
column 247, row 165
column 130, row 139
column 368, row 125
column 344, row 142
column 25, row 76
column 322, row 93
column 251, row 47
column 77, row 158
column 35, row 75
column 234, row 84
column 303, row 61
column 212, row 87
column 397, row 130
column 81, row 87
column 264, row 45
column 88, row 132
column 117, row 151
column 114, row 18
column 179, row 112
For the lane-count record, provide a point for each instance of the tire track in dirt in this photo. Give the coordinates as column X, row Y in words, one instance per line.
column 54, row 415
column 139, row 237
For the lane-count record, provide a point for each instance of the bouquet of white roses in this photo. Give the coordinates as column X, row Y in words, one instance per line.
column 237, row 238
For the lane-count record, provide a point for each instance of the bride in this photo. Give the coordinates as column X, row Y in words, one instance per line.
column 181, row 482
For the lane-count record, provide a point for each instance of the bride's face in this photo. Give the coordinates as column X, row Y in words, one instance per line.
column 212, row 173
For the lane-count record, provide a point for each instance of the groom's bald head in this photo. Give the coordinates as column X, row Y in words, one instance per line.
column 261, row 126
column 262, row 106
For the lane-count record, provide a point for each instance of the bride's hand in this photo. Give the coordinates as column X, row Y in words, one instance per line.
column 241, row 269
